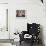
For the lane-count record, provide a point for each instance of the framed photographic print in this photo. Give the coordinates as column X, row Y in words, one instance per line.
column 20, row 13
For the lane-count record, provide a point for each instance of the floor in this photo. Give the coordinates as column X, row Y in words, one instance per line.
column 23, row 44
column 5, row 44
column 26, row 44
column 29, row 44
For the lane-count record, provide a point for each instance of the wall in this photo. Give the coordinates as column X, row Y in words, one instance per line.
column 3, row 1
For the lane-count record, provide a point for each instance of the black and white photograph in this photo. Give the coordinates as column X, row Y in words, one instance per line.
column 22, row 22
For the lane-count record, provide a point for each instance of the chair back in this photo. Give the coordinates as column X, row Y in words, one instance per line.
column 33, row 28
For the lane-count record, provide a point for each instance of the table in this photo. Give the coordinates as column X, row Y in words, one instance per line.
column 16, row 40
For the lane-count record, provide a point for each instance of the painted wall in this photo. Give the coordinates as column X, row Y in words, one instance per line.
column 3, row 1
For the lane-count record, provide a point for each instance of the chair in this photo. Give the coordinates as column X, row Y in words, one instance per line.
column 33, row 30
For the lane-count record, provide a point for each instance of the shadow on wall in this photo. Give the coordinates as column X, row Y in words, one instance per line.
column 41, row 34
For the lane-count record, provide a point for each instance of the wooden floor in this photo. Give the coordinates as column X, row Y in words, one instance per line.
column 6, row 40
column 27, row 44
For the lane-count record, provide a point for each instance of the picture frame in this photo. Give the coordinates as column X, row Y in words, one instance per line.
column 20, row 13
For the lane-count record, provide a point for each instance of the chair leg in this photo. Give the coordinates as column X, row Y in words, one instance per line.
column 20, row 42
column 32, row 44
